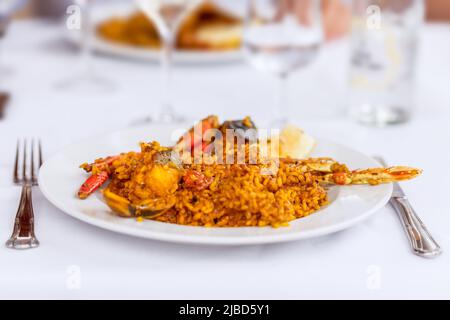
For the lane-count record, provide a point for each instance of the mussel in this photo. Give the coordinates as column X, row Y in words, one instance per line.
column 149, row 209
column 241, row 128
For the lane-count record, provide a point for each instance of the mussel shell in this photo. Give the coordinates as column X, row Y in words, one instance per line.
column 239, row 124
column 153, row 208
column 149, row 210
column 241, row 127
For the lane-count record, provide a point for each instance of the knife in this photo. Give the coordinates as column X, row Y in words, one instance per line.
column 421, row 241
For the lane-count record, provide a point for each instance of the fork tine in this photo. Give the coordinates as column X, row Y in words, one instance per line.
column 33, row 171
column 40, row 153
column 24, row 168
column 16, row 164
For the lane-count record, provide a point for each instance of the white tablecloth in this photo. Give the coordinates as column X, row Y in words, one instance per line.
column 75, row 260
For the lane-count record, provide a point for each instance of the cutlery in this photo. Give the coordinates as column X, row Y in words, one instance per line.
column 4, row 98
column 421, row 241
column 23, row 236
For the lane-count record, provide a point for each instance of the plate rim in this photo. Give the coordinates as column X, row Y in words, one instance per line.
column 219, row 240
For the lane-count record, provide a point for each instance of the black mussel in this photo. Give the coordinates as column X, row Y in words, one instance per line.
column 244, row 128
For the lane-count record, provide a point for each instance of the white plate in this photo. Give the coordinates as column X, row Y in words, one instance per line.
column 60, row 179
column 103, row 12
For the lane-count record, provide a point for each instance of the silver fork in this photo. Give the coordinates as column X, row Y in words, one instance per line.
column 23, row 236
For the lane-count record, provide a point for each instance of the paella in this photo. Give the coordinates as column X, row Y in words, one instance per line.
column 209, row 179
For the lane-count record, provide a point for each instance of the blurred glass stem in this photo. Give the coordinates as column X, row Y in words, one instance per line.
column 281, row 106
column 167, row 113
column 4, row 69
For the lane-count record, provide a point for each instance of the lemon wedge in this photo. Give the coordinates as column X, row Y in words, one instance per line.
column 295, row 143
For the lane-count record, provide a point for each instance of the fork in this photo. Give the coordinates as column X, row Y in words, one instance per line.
column 23, row 236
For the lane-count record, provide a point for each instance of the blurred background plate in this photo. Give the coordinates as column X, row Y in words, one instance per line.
column 120, row 9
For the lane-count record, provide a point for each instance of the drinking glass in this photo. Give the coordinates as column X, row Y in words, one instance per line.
column 281, row 36
column 383, row 58
column 7, row 9
column 86, row 79
column 167, row 15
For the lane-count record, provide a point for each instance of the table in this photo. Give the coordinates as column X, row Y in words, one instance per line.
column 75, row 260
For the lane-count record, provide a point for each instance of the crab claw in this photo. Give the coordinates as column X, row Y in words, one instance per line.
column 194, row 138
column 92, row 184
column 99, row 164
column 149, row 209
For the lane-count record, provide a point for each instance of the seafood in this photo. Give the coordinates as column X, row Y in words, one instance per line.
column 194, row 137
column 149, row 209
column 157, row 184
column 371, row 176
column 100, row 171
column 330, row 172
column 92, row 184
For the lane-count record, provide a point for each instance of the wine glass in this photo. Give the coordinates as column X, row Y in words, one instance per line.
column 281, row 36
column 7, row 9
column 167, row 15
column 86, row 79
